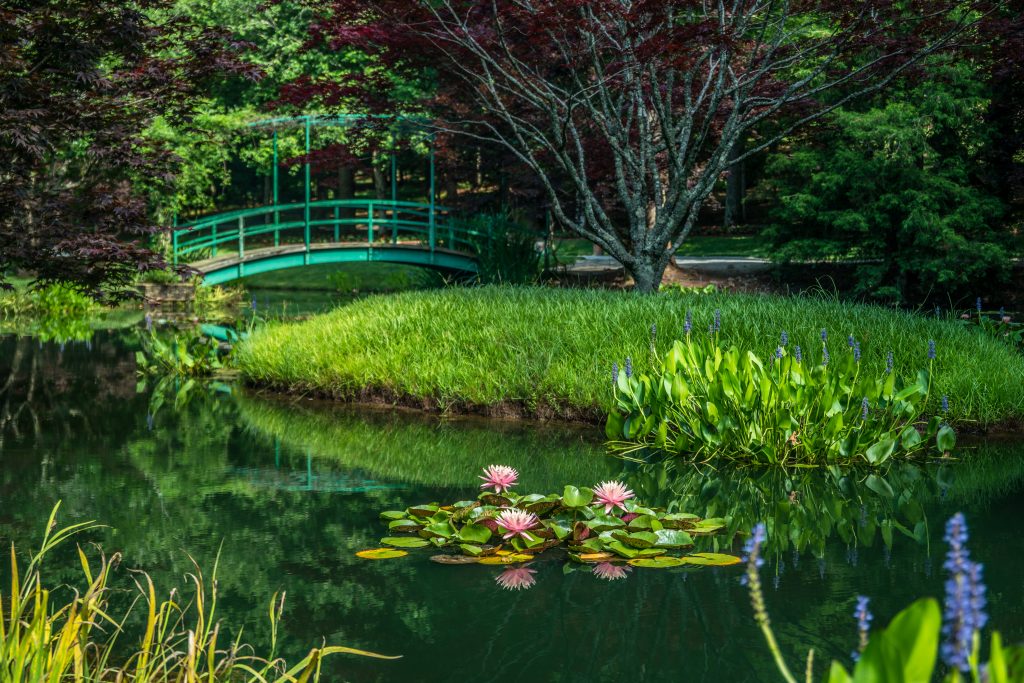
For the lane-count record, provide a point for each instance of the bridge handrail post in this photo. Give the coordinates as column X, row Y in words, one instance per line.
column 306, row 211
column 370, row 228
column 213, row 239
column 241, row 237
column 433, row 194
column 337, row 223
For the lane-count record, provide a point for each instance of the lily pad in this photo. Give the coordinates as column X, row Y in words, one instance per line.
column 707, row 526
column 403, row 525
column 662, row 562
column 381, row 554
column 454, row 559
column 595, row 557
column 622, row 550
column 679, row 520
column 712, row 559
column 424, row 510
column 639, row 539
column 672, row 538
column 437, row 530
column 474, row 533
column 393, row 514
column 604, row 523
column 576, row 498
column 404, row 542
column 513, row 558
column 495, row 500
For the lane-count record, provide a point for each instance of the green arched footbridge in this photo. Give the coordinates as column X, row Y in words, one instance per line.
column 235, row 244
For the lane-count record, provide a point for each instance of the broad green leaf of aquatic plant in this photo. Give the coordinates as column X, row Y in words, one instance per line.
column 906, row 651
column 573, row 497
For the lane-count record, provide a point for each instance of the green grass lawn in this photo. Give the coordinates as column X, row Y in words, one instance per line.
column 549, row 351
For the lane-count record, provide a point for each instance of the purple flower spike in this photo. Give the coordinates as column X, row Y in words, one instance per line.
column 931, row 349
column 615, row 375
column 784, row 339
column 629, row 367
column 718, row 320
column 798, row 354
column 688, row 325
column 964, row 613
column 889, row 362
column 864, row 407
column 977, row 304
column 824, row 334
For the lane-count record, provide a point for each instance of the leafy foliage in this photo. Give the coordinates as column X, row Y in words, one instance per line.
column 895, row 188
column 706, row 399
column 42, row 639
column 627, row 113
column 573, row 520
column 509, row 254
column 190, row 355
column 81, row 82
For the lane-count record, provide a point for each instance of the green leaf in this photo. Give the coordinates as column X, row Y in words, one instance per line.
column 837, row 674
column 662, row 562
column 393, row 514
column 945, row 439
column 474, row 533
column 712, row 559
column 672, row 538
column 879, row 486
column 906, row 650
column 403, row 525
column 573, row 497
column 613, row 426
column 405, row 542
column 910, row 438
column 880, row 452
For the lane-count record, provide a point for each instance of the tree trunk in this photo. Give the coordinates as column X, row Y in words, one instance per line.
column 647, row 274
column 380, row 183
column 346, row 188
column 736, row 186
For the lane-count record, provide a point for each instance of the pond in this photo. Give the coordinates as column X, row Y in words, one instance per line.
column 287, row 491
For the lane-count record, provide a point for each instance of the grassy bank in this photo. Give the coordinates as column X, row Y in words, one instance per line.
column 545, row 352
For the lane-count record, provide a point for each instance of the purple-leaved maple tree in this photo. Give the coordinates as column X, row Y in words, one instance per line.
column 628, row 112
column 80, row 81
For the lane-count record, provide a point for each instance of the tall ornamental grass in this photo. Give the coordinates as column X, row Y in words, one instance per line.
column 548, row 351
column 43, row 639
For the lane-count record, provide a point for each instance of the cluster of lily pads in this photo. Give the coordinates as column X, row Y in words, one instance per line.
column 601, row 525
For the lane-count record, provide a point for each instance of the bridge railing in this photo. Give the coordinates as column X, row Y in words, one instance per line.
column 371, row 222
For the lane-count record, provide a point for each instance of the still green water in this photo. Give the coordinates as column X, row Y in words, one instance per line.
column 287, row 491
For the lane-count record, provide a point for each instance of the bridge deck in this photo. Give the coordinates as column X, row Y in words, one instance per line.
column 232, row 266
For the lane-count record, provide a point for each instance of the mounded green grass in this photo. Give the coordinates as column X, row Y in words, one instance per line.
column 547, row 351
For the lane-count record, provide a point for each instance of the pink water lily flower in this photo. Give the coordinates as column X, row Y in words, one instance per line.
column 610, row 572
column 517, row 522
column 612, row 494
column 516, row 578
column 499, row 477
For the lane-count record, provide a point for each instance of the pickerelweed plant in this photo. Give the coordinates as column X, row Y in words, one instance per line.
column 704, row 399
column 604, row 524
column 920, row 640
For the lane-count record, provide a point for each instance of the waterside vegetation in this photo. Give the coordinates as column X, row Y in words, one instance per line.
column 549, row 353
column 703, row 399
column 43, row 638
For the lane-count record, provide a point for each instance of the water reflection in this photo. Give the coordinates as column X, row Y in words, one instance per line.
column 286, row 492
